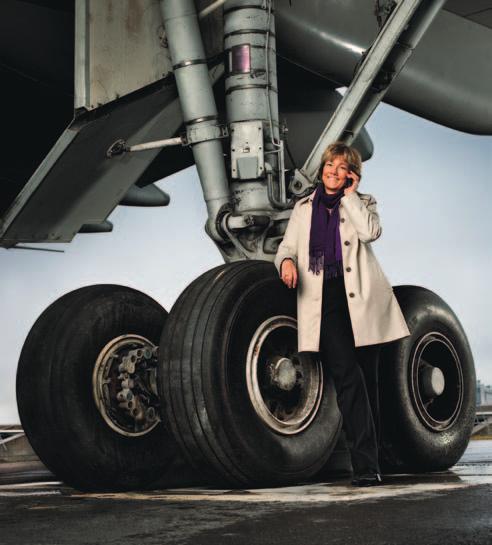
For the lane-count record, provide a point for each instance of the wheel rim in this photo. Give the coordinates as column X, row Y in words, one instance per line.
column 436, row 379
column 124, row 385
column 284, row 387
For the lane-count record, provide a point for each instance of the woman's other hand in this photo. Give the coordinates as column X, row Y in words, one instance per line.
column 355, row 183
column 289, row 273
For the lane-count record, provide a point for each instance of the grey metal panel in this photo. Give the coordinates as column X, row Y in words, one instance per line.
column 118, row 49
column 439, row 82
column 77, row 184
column 41, row 172
column 484, row 18
column 467, row 7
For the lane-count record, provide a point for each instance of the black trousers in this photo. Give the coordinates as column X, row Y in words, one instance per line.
column 354, row 372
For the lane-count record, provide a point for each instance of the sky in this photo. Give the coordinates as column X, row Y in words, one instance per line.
column 432, row 185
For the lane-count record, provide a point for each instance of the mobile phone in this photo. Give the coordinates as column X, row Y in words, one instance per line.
column 349, row 181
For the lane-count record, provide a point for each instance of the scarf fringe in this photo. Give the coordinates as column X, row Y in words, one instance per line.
column 316, row 262
column 332, row 270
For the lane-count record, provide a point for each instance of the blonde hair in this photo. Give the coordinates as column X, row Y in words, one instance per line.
column 340, row 149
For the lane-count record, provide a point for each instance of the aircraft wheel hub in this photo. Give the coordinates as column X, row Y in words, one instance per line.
column 124, row 385
column 284, row 387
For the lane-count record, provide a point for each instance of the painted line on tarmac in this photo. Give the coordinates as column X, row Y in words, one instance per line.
column 41, row 484
column 324, row 493
column 24, row 493
column 29, row 489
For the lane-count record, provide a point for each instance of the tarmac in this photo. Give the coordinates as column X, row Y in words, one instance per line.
column 451, row 507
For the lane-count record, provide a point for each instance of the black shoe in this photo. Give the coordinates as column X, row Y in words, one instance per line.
column 367, row 479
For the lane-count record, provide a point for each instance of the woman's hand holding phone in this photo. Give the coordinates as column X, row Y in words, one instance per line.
column 288, row 273
column 352, row 182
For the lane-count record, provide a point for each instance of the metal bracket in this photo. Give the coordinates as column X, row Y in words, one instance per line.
column 247, row 154
column 232, row 225
column 202, row 133
column 383, row 11
column 230, row 222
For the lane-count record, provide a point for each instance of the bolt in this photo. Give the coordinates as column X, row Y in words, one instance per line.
column 124, row 395
column 128, row 383
column 147, row 353
column 127, row 365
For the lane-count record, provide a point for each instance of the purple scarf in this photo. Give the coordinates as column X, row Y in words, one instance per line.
column 325, row 246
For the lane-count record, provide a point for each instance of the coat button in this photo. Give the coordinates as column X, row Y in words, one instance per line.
column 342, row 219
column 351, row 294
column 346, row 243
column 348, row 269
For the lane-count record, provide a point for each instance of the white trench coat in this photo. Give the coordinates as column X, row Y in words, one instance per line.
column 375, row 314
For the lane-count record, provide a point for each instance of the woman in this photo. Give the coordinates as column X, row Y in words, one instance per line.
column 344, row 300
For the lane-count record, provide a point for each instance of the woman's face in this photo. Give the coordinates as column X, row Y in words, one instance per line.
column 334, row 174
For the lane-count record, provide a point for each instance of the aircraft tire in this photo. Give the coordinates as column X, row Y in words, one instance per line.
column 55, row 390
column 427, row 387
column 245, row 407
